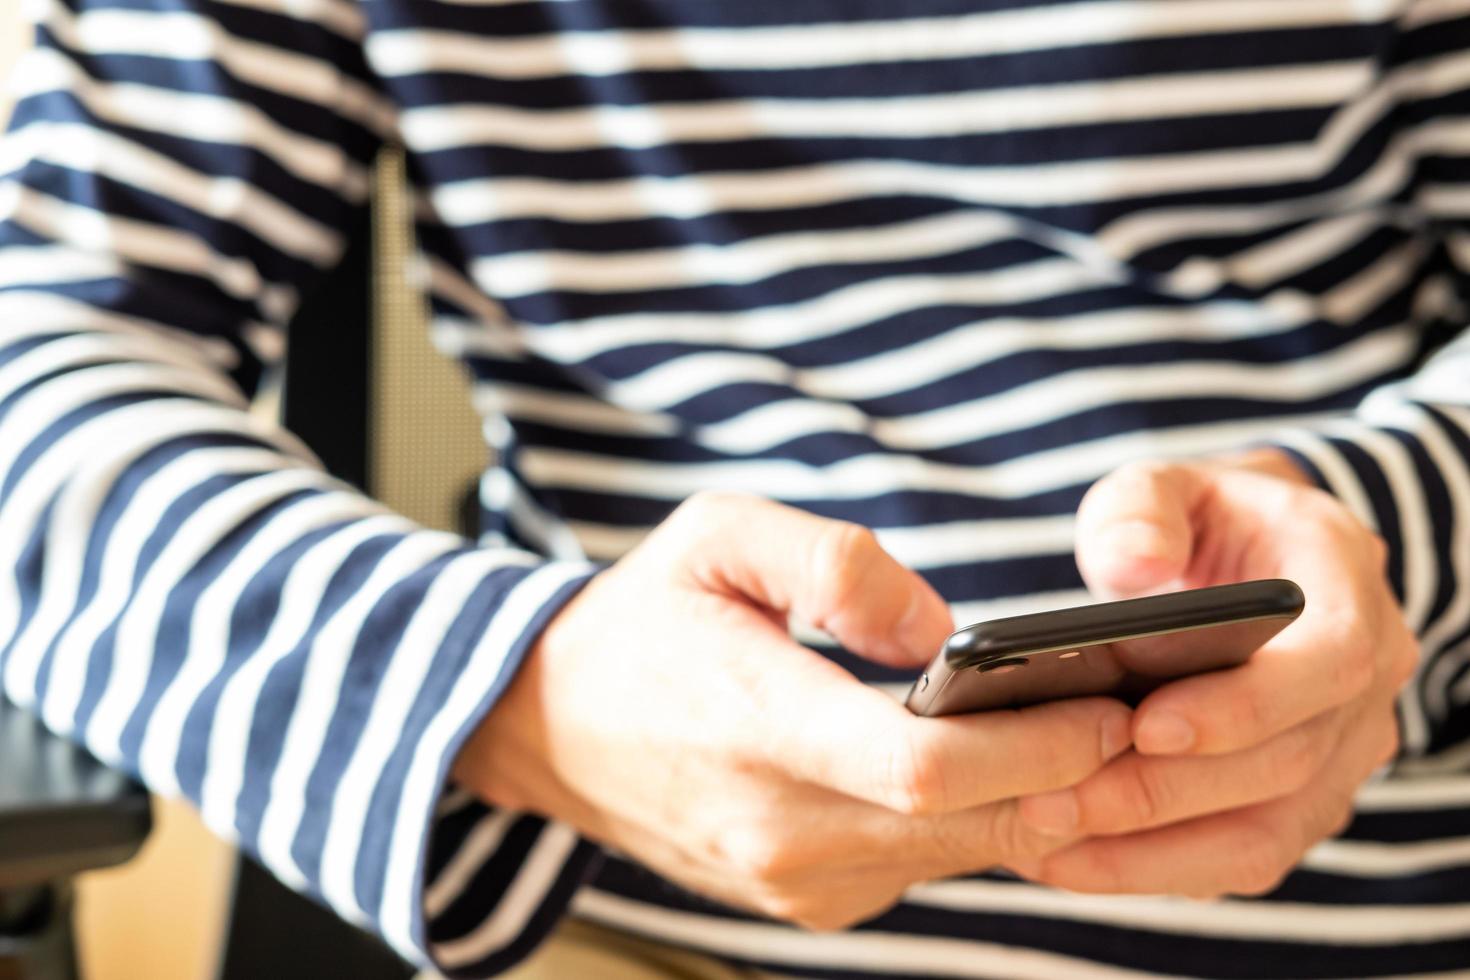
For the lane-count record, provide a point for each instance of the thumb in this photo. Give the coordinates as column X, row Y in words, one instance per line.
column 1135, row 533
column 831, row 574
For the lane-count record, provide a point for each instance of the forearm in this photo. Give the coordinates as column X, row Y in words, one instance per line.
column 186, row 592
column 182, row 587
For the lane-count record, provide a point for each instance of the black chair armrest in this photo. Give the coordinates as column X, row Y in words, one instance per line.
column 61, row 811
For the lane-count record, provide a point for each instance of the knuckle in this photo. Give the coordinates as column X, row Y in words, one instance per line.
column 1261, row 880
column 705, row 514
column 916, row 780
column 1338, row 515
column 783, row 905
column 1353, row 667
column 1405, row 663
column 1377, row 550
column 1318, row 505
column 758, row 855
column 1329, row 818
column 1392, row 743
column 1136, row 475
column 1010, row 838
column 697, row 508
column 1259, row 864
column 1299, row 759
column 1144, row 471
column 949, row 845
column 1145, row 797
column 707, row 502
column 843, row 554
column 1341, row 819
column 1251, row 713
column 1344, row 528
column 823, row 918
column 844, row 543
column 814, row 911
column 1074, row 754
column 1090, row 869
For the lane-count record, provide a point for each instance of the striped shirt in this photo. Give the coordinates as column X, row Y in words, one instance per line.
column 933, row 266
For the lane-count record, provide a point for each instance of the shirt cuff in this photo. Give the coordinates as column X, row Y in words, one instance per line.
column 513, row 874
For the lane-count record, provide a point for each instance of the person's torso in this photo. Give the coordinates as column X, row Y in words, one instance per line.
column 934, row 266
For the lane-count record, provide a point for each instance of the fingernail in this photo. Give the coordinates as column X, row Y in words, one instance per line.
column 1162, row 733
column 1117, row 735
column 1052, row 813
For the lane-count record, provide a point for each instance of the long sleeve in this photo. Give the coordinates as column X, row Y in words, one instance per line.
column 1401, row 461
column 182, row 589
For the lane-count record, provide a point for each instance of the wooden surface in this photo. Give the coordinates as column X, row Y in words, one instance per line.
column 159, row 917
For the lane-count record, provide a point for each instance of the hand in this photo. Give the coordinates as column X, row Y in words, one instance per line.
column 667, row 713
column 1237, row 773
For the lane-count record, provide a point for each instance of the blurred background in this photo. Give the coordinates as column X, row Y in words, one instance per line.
column 161, row 916
column 11, row 33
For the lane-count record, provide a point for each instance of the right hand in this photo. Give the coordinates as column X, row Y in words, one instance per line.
column 666, row 713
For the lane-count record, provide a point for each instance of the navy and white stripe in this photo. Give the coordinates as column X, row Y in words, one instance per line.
column 933, row 267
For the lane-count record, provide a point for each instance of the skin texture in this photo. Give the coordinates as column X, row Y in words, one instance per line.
column 1235, row 774
column 667, row 714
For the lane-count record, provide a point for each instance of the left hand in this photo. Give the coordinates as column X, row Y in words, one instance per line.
column 1236, row 773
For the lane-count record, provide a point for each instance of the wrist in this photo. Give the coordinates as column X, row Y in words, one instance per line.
column 492, row 761
column 510, row 760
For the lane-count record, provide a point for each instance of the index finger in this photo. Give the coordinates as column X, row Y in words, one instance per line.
column 859, row 741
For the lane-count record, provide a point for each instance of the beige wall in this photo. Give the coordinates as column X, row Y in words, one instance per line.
column 12, row 36
column 159, row 917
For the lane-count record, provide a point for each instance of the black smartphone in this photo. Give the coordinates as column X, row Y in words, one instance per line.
column 1123, row 649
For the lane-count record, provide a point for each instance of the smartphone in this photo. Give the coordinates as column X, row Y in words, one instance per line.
column 1123, row 649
